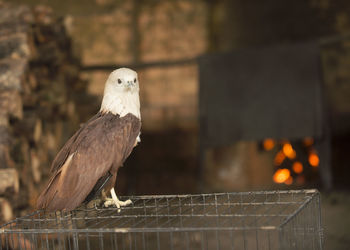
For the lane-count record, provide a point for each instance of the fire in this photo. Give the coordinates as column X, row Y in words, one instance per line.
column 268, row 144
column 308, row 141
column 281, row 175
column 289, row 181
column 297, row 167
column 279, row 158
column 313, row 159
column 289, row 151
column 294, row 165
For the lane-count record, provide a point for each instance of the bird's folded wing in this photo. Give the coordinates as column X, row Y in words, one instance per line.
column 63, row 154
column 103, row 142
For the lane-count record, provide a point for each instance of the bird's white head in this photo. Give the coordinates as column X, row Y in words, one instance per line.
column 121, row 94
column 122, row 80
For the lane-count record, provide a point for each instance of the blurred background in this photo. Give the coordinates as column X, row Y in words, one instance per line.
column 235, row 95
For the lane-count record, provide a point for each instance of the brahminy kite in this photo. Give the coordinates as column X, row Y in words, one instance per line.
column 89, row 161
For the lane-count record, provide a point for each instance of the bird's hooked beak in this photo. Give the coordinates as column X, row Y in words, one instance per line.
column 130, row 85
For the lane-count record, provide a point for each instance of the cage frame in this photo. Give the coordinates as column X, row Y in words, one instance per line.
column 72, row 232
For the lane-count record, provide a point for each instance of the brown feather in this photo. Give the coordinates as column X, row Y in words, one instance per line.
column 63, row 154
column 101, row 145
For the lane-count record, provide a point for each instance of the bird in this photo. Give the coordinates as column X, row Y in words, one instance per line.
column 88, row 163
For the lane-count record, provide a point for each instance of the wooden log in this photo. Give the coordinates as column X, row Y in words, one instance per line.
column 40, row 86
column 9, row 181
column 11, row 73
column 6, row 213
column 5, row 159
column 35, row 163
column 26, row 126
column 37, row 130
column 14, row 46
column 11, row 104
column 9, row 14
column 5, row 139
column 4, row 122
column 51, row 142
column 4, row 134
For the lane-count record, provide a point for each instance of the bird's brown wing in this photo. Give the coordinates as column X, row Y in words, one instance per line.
column 104, row 142
column 65, row 151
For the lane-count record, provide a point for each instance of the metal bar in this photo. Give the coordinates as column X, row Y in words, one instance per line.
column 162, row 64
column 170, row 63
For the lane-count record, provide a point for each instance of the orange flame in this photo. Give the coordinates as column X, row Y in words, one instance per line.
column 289, row 151
column 268, row 144
column 308, row 141
column 289, row 181
column 297, row 167
column 279, row 158
column 281, row 175
column 313, row 159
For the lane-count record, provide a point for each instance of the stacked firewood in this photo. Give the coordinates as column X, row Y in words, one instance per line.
column 40, row 96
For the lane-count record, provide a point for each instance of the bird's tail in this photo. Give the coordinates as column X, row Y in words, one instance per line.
column 98, row 187
column 48, row 193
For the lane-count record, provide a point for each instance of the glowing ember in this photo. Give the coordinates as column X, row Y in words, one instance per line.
column 308, row 141
column 313, row 159
column 289, row 181
column 281, row 175
column 289, row 151
column 268, row 144
column 279, row 158
column 297, row 167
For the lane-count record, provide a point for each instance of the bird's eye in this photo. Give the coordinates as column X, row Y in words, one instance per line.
column 134, row 80
column 119, row 81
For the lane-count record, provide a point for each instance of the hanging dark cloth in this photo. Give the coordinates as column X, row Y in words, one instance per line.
column 251, row 94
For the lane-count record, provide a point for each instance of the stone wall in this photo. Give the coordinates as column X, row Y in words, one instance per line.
column 144, row 33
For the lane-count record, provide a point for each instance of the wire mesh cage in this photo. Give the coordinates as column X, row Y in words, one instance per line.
column 245, row 220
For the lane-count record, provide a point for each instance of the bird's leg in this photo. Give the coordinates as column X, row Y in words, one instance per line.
column 114, row 200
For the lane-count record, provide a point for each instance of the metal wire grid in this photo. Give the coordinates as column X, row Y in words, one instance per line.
column 245, row 220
